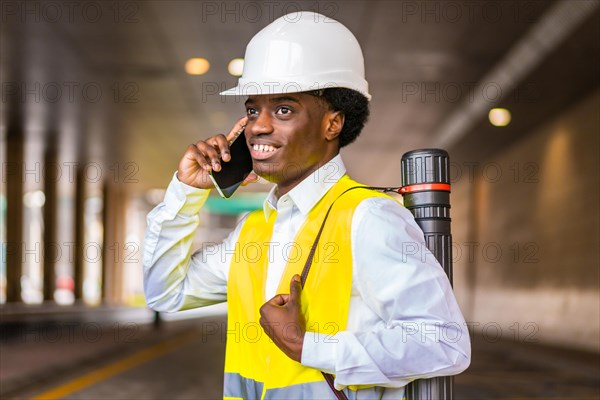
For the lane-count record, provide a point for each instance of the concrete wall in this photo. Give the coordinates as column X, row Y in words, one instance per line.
column 526, row 234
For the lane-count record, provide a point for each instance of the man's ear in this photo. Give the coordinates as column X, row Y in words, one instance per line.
column 335, row 123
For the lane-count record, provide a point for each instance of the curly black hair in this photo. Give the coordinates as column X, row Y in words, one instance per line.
column 355, row 107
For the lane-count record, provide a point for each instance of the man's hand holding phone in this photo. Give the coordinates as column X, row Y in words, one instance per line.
column 206, row 156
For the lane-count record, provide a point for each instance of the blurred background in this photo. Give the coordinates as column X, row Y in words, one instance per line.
column 101, row 98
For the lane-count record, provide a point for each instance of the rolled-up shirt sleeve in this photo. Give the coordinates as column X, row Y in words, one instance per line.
column 411, row 326
column 174, row 277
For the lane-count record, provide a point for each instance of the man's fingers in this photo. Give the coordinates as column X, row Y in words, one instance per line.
column 209, row 151
column 295, row 289
column 221, row 145
column 207, row 155
column 237, row 129
column 278, row 300
column 194, row 154
column 285, row 298
column 266, row 326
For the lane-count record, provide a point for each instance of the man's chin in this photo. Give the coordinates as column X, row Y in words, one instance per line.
column 268, row 170
column 265, row 173
column 277, row 172
column 267, row 177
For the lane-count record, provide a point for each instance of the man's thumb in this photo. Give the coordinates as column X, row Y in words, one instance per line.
column 295, row 289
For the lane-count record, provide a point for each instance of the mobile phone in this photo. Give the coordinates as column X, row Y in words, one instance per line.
column 233, row 172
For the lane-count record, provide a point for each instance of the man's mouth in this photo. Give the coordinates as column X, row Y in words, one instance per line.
column 262, row 151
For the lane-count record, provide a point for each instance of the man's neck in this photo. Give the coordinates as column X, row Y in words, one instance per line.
column 284, row 188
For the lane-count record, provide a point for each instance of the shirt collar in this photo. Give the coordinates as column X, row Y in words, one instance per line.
column 308, row 192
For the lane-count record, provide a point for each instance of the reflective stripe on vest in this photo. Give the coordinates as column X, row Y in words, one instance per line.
column 252, row 359
column 238, row 387
column 320, row 390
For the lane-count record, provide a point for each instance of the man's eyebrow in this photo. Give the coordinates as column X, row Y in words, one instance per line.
column 275, row 100
column 284, row 98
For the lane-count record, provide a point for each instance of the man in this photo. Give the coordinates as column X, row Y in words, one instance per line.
column 369, row 314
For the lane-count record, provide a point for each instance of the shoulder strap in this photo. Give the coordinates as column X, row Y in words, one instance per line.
column 313, row 249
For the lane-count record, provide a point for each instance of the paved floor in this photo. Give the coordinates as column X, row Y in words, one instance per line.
column 519, row 371
column 184, row 360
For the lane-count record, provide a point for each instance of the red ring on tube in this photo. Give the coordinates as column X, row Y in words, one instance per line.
column 424, row 186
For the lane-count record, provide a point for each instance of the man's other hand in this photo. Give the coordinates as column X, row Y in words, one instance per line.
column 283, row 321
column 206, row 155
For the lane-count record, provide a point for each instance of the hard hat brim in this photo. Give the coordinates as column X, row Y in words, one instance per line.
column 254, row 88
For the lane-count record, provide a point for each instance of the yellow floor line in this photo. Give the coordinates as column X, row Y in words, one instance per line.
column 118, row 366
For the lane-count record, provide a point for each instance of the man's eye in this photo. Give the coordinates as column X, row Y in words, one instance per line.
column 284, row 110
column 251, row 111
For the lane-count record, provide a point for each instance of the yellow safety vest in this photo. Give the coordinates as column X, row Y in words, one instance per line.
column 255, row 368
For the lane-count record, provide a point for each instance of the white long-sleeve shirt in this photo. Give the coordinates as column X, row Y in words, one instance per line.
column 404, row 322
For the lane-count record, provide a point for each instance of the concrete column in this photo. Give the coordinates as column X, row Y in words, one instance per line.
column 113, row 243
column 79, row 230
column 51, row 246
column 14, row 210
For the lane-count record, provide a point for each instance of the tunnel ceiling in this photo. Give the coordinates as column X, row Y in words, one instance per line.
column 109, row 76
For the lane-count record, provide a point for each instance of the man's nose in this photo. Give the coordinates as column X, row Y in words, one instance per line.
column 262, row 124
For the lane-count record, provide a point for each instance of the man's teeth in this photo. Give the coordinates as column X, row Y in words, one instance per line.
column 263, row 147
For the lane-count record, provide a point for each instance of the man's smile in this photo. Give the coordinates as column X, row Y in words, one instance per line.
column 262, row 151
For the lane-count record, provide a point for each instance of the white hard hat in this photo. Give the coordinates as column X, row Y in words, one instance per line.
column 300, row 52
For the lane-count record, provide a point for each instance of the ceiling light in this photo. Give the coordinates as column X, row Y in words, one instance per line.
column 499, row 116
column 236, row 66
column 197, row 66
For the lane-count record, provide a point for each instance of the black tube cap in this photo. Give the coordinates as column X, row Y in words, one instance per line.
column 425, row 166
